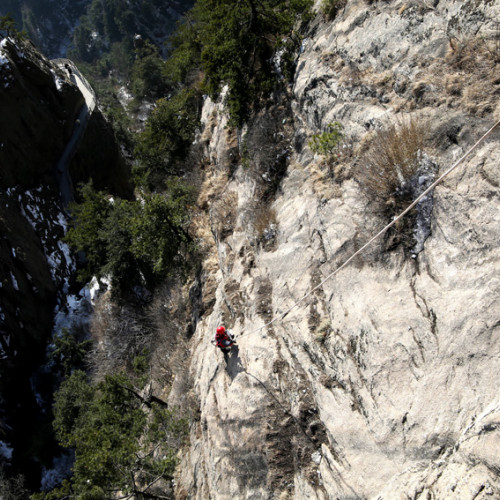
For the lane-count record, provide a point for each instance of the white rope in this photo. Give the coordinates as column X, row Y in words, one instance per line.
column 380, row 233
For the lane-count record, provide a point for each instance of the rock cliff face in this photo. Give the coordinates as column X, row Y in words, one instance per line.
column 38, row 111
column 383, row 382
column 40, row 105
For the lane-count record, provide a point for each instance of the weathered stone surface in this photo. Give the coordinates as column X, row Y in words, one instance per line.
column 382, row 382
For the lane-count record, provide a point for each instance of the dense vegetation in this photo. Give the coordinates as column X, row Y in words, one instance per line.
column 168, row 134
column 119, row 45
column 46, row 22
column 8, row 27
column 236, row 44
column 136, row 243
column 122, row 442
column 121, row 41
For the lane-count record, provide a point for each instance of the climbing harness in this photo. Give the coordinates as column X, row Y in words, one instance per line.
column 281, row 316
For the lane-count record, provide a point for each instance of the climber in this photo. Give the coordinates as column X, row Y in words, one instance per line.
column 224, row 338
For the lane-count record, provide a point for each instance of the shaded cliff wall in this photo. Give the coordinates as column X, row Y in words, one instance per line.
column 99, row 158
column 38, row 111
column 382, row 383
column 39, row 106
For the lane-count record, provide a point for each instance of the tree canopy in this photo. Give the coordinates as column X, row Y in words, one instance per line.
column 120, row 444
column 8, row 27
column 233, row 43
column 167, row 136
column 135, row 243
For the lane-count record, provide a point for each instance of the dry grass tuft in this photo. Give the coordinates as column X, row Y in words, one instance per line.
column 169, row 315
column 213, row 184
column 474, row 53
column 264, row 218
column 391, row 160
column 474, row 85
column 393, row 172
column 223, row 213
column 323, row 331
column 120, row 333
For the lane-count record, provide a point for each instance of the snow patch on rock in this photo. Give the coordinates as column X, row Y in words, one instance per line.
column 57, row 80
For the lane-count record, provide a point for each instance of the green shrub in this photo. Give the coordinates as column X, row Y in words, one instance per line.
column 68, row 353
column 121, row 264
column 85, row 233
column 147, row 78
column 233, row 43
column 159, row 235
column 183, row 63
column 166, row 139
column 8, row 28
column 327, row 142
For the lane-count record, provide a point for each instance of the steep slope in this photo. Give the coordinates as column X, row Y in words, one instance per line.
column 36, row 120
column 40, row 105
column 382, row 383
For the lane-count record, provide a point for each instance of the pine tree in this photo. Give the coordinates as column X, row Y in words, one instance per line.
column 120, row 443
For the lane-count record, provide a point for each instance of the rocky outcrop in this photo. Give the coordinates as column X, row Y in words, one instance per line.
column 40, row 105
column 100, row 158
column 382, row 382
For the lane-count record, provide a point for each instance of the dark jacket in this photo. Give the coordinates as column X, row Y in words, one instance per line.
column 223, row 340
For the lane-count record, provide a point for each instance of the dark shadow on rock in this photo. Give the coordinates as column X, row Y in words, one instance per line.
column 233, row 362
column 298, row 421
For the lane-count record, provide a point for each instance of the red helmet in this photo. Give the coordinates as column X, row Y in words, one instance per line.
column 221, row 329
